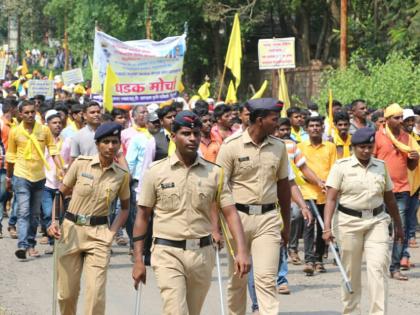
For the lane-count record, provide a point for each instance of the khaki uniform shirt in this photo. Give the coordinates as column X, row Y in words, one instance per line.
column 360, row 188
column 252, row 170
column 182, row 197
column 95, row 188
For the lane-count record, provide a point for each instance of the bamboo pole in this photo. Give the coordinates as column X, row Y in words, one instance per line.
column 343, row 34
column 221, row 84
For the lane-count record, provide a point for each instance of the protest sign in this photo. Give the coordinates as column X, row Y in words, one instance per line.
column 147, row 71
column 72, row 76
column 3, row 62
column 277, row 53
column 41, row 87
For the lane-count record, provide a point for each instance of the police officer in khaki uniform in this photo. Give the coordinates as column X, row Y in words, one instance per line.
column 182, row 189
column 256, row 167
column 85, row 238
column 361, row 185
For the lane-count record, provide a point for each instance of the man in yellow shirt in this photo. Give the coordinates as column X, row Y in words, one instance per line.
column 320, row 156
column 26, row 161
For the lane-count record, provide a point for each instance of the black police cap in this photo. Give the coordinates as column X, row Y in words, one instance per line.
column 107, row 129
column 267, row 103
column 188, row 119
column 363, row 136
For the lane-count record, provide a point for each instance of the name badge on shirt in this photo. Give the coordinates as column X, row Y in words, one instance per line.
column 87, row 175
column 167, row 185
column 243, row 159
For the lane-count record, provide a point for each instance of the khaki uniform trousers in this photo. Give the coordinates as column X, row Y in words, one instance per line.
column 183, row 277
column 358, row 236
column 83, row 248
column 262, row 237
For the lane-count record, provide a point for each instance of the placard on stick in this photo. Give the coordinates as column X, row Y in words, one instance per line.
column 276, row 53
column 73, row 76
column 41, row 87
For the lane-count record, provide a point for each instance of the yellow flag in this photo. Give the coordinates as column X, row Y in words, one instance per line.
column 330, row 112
column 234, row 52
column 51, row 75
column 231, row 94
column 109, row 86
column 24, row 69
column 204, row 90
column 181, row 87
column 283, row 93
column 261, row 91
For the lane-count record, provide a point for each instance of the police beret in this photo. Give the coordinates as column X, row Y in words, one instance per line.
column 363, row 136
column 188, row 119
column 268, row 103
column 107, row 129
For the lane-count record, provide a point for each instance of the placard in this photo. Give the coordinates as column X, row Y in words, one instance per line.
column 73, row 76
column 277, row 53
column 41, row 87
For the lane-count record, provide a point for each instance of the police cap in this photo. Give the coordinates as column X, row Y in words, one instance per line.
column 363, row 136
column 188, row 119
column 107, row 129
column 267, row 103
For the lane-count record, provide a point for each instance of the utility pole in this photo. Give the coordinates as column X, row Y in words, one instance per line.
column 66, row 46
column 343, row 35
column 148, row 20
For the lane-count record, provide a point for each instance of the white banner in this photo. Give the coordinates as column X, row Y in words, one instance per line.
column 148, row 71
column 41, row 87
column 72, row 76
column 277, row 53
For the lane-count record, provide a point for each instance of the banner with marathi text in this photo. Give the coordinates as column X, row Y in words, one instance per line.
column 147, row 71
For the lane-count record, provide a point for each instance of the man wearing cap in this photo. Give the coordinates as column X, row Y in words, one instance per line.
column 52, row 183
column 364, row 188
column 84, row 238
column 394, row 146
column 256, row 168
column 413, row 201
column 26, row 161
column 183, row 188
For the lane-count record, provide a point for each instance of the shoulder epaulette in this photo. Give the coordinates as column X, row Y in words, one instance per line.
column 121, row 167
column 343, row 160
column 210, row 162
column 276, row 138
column 85, row 157
column 157, row 162
column 233, row 137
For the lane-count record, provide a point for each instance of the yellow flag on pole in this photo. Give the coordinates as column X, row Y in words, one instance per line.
column 231, row 94
column 180, row 87
column 51, row 76
column 283, row 93
column 261, row 91
column 234, row 52
column 204, row 90
column 25, row 68
column 330, row 112
column 109, row 86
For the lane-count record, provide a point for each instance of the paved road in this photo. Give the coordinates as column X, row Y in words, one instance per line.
column 26, row 288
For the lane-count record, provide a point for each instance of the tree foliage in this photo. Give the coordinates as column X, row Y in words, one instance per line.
column 397, row 80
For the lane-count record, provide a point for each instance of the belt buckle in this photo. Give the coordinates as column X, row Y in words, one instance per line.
column 255, row 209
column 83, row 219
column 367, row 214
column 193, row 244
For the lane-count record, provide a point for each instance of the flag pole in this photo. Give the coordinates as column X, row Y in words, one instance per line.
column 221, row 84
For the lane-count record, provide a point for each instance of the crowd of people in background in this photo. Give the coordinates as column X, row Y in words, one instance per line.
column 314, row 142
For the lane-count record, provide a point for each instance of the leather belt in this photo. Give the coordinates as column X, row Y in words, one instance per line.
column 255, row 209
column 81, row 219
column 191, row 244
column 365, row 214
